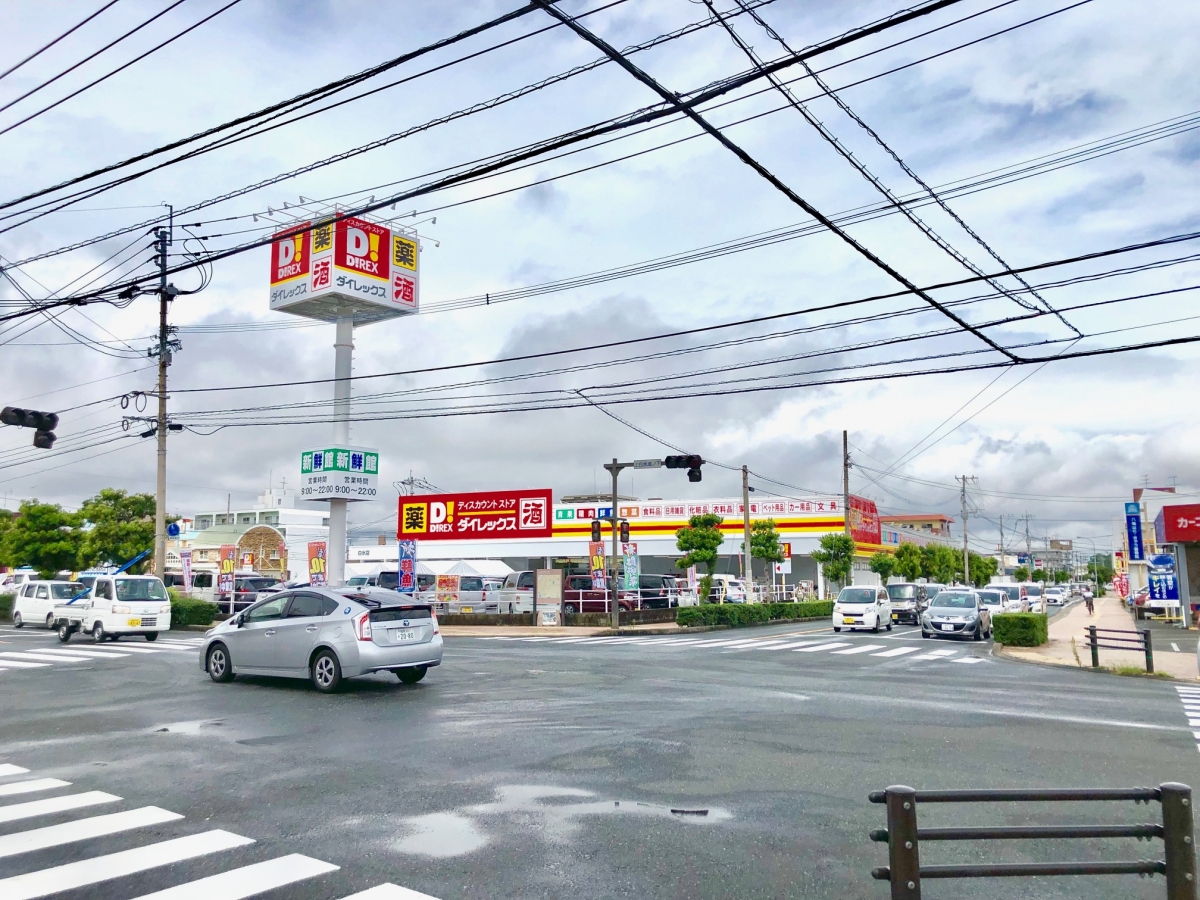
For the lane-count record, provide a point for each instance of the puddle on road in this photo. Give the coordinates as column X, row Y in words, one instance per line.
column 553, row 813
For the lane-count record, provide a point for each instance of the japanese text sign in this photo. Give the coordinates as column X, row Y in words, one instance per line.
column 227, row 557
column 1133, row 532
column 406, row 583
column 447, row 588
column 347, row 473
column 1164, row 585
column 1181, row 523
column 596, row 555
column 316, row 563
column 864, row 521
column 483, row 515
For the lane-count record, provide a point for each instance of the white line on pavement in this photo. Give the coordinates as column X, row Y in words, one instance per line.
column 389, row 892
column 117, row 865
column 7, row 769
column 813, row 648
column 34, row 784
column 899, row 651
column 20, row 664
column 794, row 645
column 968, row 659
column 861, row 648
column 760, row 645
column 83, row 829
column 936, row 654
column 31, row 654
column 1175, row 647
column 248, row 880
column 84, row 654
column 15, row 811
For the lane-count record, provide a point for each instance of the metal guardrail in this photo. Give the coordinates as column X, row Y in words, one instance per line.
column 1140, row 642
column 904, row 837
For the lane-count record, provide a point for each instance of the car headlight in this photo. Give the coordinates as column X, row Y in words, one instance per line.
column 164, row 609
column 119, row 608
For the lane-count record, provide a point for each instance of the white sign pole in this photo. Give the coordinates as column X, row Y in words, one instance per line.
column 343, row 347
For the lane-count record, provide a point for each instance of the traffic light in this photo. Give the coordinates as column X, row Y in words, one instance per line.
column 624, row 531
column 596, row 535
column 43, row 424
column 692, row 463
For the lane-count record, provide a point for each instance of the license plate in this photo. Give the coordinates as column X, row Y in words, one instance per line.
column 947, row 628
column 468, row 609
column 895, row 617
column 847, row 621
column 133, row 623
column 399, row 636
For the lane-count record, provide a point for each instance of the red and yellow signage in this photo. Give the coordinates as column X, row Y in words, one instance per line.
column 362, row 247
column 228, row 562
column 316, row 563
column 483, row 515
column 291, row 256
column 864, row 521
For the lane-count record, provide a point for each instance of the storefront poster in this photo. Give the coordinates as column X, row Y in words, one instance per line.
column 1181, row 523
column 864, row 521
column 596, row 555
column 633, row 567
column 1164, row 583
column 227, row 561
column 407, row 583
column 447, row 588
column 316, row 563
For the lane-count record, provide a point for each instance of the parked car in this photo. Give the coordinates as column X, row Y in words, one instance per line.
column 862, row 607
column 325, row 635
column 117, row 605
column 11, row 582
column 1033, row 591
column 727, row 589
column 471, row 597
column 957, row 612
column 391, row 580
column 994, row 599
column 906, row 602
column 35, row 602
column 658, row 591
column 1055, row 596
column 1017, row 600
column 931, row 591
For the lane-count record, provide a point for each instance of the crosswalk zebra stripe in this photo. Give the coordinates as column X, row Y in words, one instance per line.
column 15, row 811
column 7, row 769
column 83, row 829
column 70, row 876
column 861, row 648
column 21, row 664
column 813, row 648
column 30, row 654
column 87, row 654
column 247, row 881
column 389, row 892
column 968, row 660
column 899, row 651
column 29, row 787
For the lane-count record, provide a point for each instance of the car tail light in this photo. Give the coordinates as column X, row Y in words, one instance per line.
column 362, row 627
column 433, row 615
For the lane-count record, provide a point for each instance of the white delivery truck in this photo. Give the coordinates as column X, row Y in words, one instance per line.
column 116, row 605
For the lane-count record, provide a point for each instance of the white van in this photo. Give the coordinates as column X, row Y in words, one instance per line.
column 862, row 607
column 117, row 605
column 12, row 582
column 35, row 602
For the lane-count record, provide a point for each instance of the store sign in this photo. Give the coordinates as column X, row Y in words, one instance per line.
column 407, row 582
column 346, row 473
column 227, row 559
column 1133, row 532
column 316, row 563
column 1164, row 582
column 864, row 521
column 483, row 515
column 1181, row 523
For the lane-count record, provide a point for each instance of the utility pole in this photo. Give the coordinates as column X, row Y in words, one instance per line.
column 846, row 480
column 166, row 292
column 615, row 468
column 747, row 561
column 964, row 480
column 1028, row 545
column 1001, row 518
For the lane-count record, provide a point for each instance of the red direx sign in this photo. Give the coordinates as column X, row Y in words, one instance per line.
column 363, row 247
column 290, row 256
column 479, row 516
column 864, row 521
column 1181, row 523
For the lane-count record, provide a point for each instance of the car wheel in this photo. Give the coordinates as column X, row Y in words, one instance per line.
column 220, row 667
column 98, row 634
column 18, row 622
column 50, row 621
column 152, row 635
column 925, row 634
column 412, row 675
column 64, row 632
column 836, row 629
column 978, row 635
column 569, row 608
column 875, row 630
column 889, row 625
column 326, row 672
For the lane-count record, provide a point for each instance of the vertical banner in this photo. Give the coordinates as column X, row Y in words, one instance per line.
column 316, row 563
column 692, row 581
column 633, row 567
column 407, row 582
column 185, row 560
column 596, row 554
column 228, row 560
column 1164, row 585
column 1133, row 531
column 283, row 562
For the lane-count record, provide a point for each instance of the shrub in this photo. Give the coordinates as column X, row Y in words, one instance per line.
column 185, row 611
column 1021, row 629
column 6, row 604
column 738, row 614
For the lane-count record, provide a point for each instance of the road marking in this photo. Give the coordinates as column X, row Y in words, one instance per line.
column 84, row 654
column 117, row 865
column 935, row 654
column 761, row 645
column 30, row 654
column 83, row 829
column 795, row 644
column 131, row 648
column 7, row 769
column 899, row 651
column 15, row 811
column 28, row 787
column 861, row 648
column 389, row 892
column 19, row 664
column 56, row 655
column 248, row 880
column 1175, row 647
column 813, row 648
column 968, row 659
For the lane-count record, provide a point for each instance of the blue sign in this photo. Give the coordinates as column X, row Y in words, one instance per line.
column 1133, row 509
column 173, row 530
column 407, row 583
column 1133, row 531
column 1164, row 585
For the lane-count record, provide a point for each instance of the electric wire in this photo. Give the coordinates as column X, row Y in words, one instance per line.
column 67, row 33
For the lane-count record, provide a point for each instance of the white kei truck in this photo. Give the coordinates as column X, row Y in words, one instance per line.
column 115, row 606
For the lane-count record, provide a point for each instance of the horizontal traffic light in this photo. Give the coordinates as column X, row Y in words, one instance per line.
column 691, row 462
column 43, row 423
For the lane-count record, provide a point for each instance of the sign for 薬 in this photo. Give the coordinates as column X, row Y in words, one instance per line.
column 482, row 515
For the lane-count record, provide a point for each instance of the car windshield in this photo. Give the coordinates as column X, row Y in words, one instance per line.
column 857, row 595
column 140, row 589
column 1033, row 590
column 358, row 581
column 901, row 591
column 947, row 600
column 991, row 598
column 66, row 591
column 932, row 590
column 1013, row 591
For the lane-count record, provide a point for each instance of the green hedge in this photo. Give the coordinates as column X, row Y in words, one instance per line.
column 1021, row 629
column 737, row 614
column 185, row 611
column 6, row 604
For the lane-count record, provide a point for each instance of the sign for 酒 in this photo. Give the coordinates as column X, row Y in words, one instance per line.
column 347, row 473
column 483, row 515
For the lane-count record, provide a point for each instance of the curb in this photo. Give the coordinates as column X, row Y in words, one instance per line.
column 998, row 652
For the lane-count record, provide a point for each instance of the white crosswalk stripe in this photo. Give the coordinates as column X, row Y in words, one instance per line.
column 899, row 651
column 861, row 648
column 1190, row 698
column 154, row 853
column 11, row 658
column 814, row 648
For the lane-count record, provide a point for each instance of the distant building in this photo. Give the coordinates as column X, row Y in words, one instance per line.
column 925, row 523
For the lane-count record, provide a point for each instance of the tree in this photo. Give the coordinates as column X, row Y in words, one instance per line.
column 883, row 564
column 1100, row 568
column 44, row 536
column 700, row 540
column 1021, row 574
column 120, row 525
column 1039, row 575
column 1062, row 576
column 764, row 542
column 908, row 562
column 983, row 568
column 940, row 564
column 836, row 556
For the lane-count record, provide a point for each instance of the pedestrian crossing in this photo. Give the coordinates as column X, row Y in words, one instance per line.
column 147, row 824
column 1190, row 697
column 806, row 644
column 47, row 655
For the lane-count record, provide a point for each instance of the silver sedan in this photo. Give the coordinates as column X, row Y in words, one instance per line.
column 326, row 635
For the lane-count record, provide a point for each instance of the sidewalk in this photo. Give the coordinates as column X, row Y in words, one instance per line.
column 1110, row 613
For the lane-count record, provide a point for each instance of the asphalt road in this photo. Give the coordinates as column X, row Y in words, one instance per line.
column 530, row 768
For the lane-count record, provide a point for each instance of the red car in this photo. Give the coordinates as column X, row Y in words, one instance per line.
column 580, row 596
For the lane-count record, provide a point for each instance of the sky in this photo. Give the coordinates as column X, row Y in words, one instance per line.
column 1050, row 129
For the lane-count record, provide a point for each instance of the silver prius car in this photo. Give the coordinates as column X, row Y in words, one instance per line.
column 325, row 635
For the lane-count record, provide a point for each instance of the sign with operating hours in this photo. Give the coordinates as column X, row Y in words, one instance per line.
column 346, row 473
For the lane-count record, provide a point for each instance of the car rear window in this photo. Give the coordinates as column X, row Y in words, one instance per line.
column 394, row 614
column 65, row 591
column 470, row 584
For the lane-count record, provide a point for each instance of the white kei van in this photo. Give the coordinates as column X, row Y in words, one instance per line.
column 35, row 602
column 117, row 605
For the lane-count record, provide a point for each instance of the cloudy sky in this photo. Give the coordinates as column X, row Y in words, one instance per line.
column 1051, row 129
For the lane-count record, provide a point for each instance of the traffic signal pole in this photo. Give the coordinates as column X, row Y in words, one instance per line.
column 615, row 468
column 747, row 557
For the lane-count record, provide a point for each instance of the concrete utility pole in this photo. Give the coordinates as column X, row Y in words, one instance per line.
column 964, row 480
column 1028, row 545
column 747, row 559
column 615, row 468
column 1001, row 518
column 846, row 480
column 343, row 349
column 166, row 292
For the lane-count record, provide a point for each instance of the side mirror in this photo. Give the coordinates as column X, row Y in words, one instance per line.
column 240, row 620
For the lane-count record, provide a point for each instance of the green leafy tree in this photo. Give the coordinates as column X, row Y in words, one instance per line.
column 1062, row 576
column 983, row 568
column 883, row 564
column 1021, row 574
column 1039, row 575
column 836, row 556
column 940, row 564
column 120, row 525
column 44, row 536
column 699, row 541
column 908, row 562
column 1100, row 568
column 764, row 541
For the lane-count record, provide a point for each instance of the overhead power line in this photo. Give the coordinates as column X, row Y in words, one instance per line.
column 38, row 52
